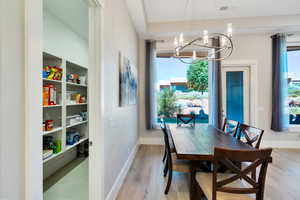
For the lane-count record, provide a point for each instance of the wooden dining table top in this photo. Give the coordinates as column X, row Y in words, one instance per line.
column 198, row 143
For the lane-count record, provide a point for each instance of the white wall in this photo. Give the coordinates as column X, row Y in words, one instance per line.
column 60, row 40
column 254, row 47
column 12, row 145
column 121, row 132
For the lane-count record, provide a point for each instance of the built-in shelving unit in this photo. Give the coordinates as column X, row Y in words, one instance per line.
column 65, row 106
column 68, row 147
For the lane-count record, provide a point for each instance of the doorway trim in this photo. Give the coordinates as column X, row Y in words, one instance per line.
column 33, row 48
column 96, row 101
column 252, row 64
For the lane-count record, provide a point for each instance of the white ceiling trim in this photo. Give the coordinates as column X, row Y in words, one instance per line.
column 138, row 15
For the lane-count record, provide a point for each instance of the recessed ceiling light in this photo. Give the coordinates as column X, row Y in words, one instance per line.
column 223, row 8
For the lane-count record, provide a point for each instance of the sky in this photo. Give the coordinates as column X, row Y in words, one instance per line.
column 294, row 64
column 168, row 68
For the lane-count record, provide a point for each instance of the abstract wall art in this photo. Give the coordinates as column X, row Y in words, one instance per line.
column 127, row 82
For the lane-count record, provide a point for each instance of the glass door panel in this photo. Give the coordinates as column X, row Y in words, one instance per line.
column 235, row 96
column 236, row 93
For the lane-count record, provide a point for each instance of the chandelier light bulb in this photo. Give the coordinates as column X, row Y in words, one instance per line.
column 205, row 37
column 223, row 41
column 177, row 52
column 175, row 42
column 194, row 55
column 181, row 39
column 213, row 53
column 229, row 30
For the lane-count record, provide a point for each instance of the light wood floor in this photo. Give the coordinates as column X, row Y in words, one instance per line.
column 145, row 181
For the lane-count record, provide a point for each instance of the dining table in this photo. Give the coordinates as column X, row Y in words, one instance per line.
column 197, row 143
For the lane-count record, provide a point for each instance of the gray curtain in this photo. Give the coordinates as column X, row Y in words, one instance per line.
column 216, row 113
column 150, row 80
column 280, row 116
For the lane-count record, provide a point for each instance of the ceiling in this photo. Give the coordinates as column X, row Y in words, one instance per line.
column 163, row 19
column 187, row 10
column 73, row 13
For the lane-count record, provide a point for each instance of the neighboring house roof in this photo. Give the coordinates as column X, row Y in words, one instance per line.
column 164, row 82
column 173, row 82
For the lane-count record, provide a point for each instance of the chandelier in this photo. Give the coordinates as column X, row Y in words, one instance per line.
column 202, row 48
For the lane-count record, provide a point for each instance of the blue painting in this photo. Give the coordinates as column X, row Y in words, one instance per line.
column 128, row 82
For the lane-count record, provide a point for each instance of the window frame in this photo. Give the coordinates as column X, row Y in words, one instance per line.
column 293, row 127
column 169, row 54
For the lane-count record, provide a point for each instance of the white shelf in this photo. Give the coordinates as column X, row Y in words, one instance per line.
column 52, row 106
column 76, row 124
column 68, row 147
column 75, row 84
column 54, row 81
column 77, row 104
column 52, row 131
column 53, row 156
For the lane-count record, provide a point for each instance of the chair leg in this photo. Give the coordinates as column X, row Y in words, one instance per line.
column 165, row 155
column 193, row 195
column 166, row 167
column 169, row 177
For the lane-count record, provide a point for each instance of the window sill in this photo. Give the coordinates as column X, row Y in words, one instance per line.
column 294, row 128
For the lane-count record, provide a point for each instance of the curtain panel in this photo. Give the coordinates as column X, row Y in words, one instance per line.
column 216, row 111
column 150, row 80
column 280, row 112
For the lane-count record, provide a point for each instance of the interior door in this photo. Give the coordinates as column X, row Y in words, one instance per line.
column 236, row 93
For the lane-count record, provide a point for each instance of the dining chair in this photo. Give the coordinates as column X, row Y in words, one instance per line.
column 237, row 185
column 163, row 126
column 230, row 127
column 250, row 135
column 186, row 119
column 173, row 164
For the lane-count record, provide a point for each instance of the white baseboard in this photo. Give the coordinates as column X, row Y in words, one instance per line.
column 151, row 140
column 112, row 195
column 282, row 144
